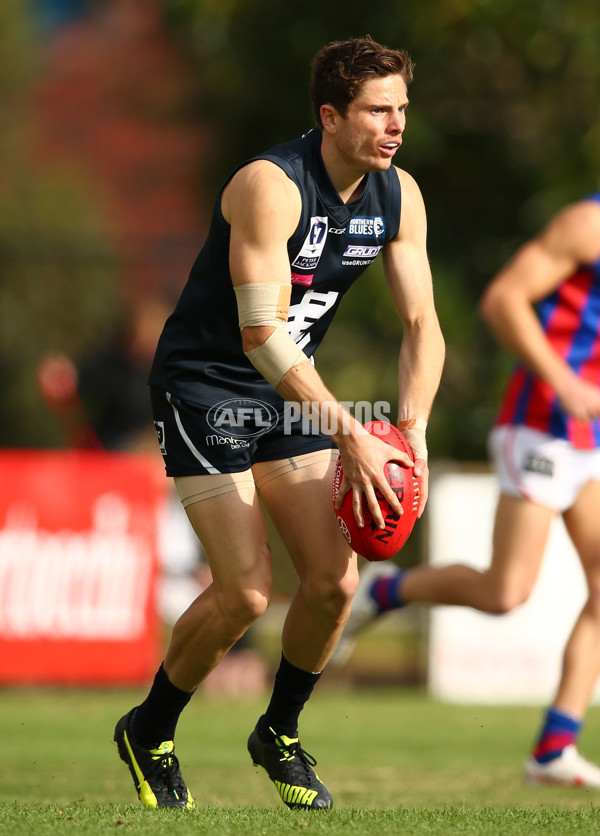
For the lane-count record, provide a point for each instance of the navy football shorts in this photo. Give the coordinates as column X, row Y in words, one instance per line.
column 229, row 436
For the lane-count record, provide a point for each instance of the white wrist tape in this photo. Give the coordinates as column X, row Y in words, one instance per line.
column 268, row 304
column 413, row 430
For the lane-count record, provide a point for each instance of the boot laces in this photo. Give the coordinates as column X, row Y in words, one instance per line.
column 165, row 768
column 293, row 752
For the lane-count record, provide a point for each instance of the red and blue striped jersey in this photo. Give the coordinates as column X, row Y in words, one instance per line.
column 570, row 317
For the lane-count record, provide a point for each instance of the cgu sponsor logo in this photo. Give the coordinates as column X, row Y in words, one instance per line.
column 92, row 584
column 240, row 419
column 358, row 251
column 367, row 227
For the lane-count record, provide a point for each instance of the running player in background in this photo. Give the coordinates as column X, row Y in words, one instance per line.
column 292, row 229
column 546, row 450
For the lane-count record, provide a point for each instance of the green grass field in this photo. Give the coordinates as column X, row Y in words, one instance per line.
column 394, row 760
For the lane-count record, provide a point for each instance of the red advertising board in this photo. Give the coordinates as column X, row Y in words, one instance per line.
column 78, row 567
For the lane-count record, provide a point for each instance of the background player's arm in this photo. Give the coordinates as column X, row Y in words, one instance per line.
column 422, row 350
column 263, row 207
column 571, row 239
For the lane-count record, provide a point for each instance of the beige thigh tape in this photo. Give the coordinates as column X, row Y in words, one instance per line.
column 266, row 471
column 196, row 488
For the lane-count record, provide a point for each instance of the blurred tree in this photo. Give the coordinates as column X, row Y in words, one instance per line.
column 56, row 266
column 503, row 127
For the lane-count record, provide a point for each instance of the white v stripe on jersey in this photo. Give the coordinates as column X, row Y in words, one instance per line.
column 189, row 443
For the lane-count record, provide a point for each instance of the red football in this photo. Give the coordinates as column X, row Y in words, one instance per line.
column 381, row 543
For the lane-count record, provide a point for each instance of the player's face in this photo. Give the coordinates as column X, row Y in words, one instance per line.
column 371, row 132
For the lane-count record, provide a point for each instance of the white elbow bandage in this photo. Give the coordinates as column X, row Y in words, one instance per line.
column 268, row 303
column 414, row 431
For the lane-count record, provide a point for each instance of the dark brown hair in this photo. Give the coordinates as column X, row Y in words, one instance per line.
column 341, row 68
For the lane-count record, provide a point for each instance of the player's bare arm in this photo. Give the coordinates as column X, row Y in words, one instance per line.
column 538, row 268
column 263, row 207
column 422, row 351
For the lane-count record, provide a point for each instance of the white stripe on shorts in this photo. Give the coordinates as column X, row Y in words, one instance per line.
column 190, row 444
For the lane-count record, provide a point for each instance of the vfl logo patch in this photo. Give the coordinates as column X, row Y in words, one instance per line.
column 159, row 426
column 358, row 251
column 309, row 255
column 539, row 464
column 367, row 227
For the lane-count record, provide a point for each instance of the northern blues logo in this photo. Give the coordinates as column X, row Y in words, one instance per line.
column 367, row 227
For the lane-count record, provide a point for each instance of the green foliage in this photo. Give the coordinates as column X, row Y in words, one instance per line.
column 503, row 129
column 56, row 267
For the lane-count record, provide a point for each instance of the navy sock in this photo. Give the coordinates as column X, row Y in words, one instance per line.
column 387, row 592
column 292, row 689
column 156, row 718
column 559, row 730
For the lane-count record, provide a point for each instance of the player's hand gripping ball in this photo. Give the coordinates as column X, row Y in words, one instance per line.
column 371, row 542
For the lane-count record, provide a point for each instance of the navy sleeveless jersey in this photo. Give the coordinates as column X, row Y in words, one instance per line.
column 200, row 349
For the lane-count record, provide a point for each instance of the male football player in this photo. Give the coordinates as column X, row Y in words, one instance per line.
column 292, row 230
column 546, row 450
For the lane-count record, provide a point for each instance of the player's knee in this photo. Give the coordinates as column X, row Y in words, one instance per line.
column 593, row 602
column 253, row 603
column 332, row 595
column 244, row 601
column 241, row 609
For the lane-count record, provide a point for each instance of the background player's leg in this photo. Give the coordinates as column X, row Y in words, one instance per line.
column 555, row 757
column 581, row 663
column 520, row 533
column 521, row 530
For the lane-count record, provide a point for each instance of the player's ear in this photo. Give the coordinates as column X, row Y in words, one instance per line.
column 329, row 118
